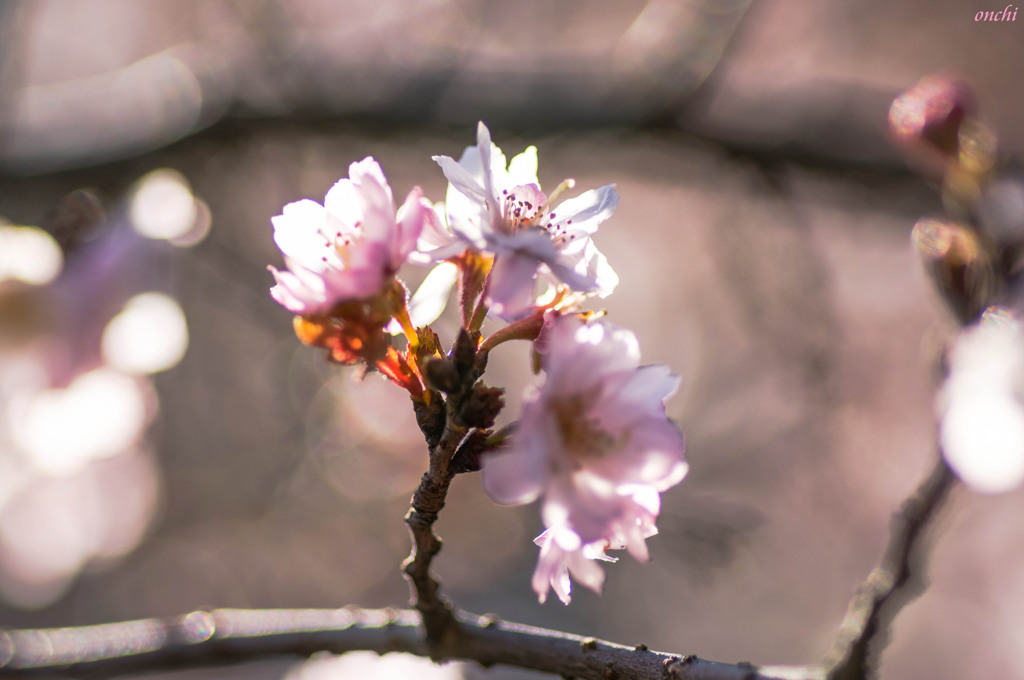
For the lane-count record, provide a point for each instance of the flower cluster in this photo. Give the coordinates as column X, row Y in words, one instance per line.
column 973, row 256
column 594, row 440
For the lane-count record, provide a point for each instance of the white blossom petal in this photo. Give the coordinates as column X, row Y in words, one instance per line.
column 982, row 405
column 522, row 169
column 460, row 178
column 643, row 390
column 519, row 476
column 431, row 297
column 584, row 213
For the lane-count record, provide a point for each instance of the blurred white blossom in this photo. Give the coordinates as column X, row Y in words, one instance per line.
column 372, row 666
column 78, row 481
column 982, row 404
column 162, row 206
column 29, row 254
column 148, row 336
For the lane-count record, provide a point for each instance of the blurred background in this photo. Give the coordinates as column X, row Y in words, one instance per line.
column 167, row 444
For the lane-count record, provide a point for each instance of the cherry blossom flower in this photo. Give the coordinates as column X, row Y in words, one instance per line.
column 502, row 210
column 594, row 440
column 349, row 247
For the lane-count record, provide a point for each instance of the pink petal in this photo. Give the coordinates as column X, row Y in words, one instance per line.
column 517, row 475
column 511, row 283
column 575, row 280
column 298, row 232
column 342, row 202
column 292, row 295
column 587, row 572
column 460, row 178
column 483, row 143
column 651, row 455
column 412, row 216
column 374, row 194
column 637, row 394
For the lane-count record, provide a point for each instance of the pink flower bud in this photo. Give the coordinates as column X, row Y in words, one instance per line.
column 926, row 120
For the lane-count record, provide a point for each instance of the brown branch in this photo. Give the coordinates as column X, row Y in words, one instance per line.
column 896, row 581
column 205, row 638
column 223, row 636
column 427, row 502
column 465, row 365
column 489, row 641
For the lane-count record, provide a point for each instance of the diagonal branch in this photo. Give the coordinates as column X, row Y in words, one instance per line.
column 896, row 581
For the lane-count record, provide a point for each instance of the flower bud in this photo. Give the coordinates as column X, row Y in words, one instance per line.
column 932, row 111
column 430, row 418
column 483, row 406
column 959, row 265
column 464, row 352
column 429, row 343
column 441, row 375
column 467, row 457
column 926, row 121
column 966, row 179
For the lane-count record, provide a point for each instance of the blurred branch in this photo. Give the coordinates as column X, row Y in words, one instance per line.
column 665, row 71
column 13, row 15
column 893, row 583
column 225, row 636
column 200, row 638
column 232, row 636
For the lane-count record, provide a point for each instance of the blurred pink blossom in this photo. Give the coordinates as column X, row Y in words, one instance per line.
column 594, row 440
column 349, row 247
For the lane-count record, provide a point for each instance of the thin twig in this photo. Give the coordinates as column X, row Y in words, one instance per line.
column 896, row 581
